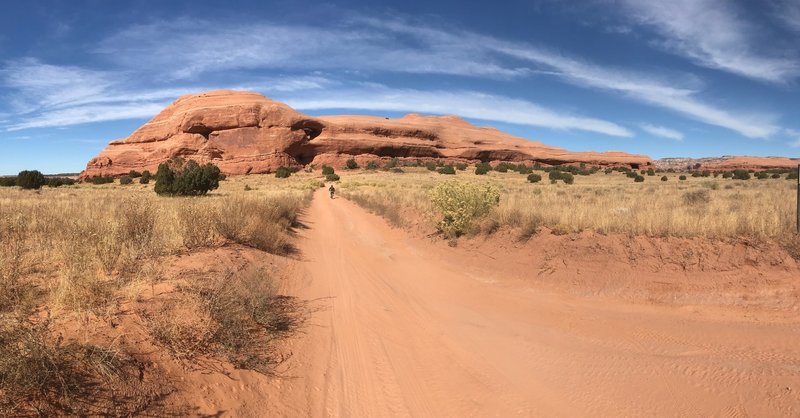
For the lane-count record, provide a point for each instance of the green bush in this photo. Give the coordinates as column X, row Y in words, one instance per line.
column 524, row 169
column 125, row 180
column 30, row 179
column 59, row 181
column 326, row 169
column 394, row 162
column 332, row 177
column 283, row 172
column 762, row 175
column 461, row 204
column 145, row 179
column 482, row 168
column 372, row 165
column 430, row 165
column 448, row 169
column 176, row 178
column 792, row 175
column 134, row 174
column 8, row 181
column 567, row 178
column 534, row 178
column 554, row 175
column 727, row 175
column 396, row 170
column 651, row 172
column 461, row 166
column 351, row 164
column 741, row 175
column 776, row 176
column 638, row 179
column 682, row 177
column 664, row 178
column 100, row 180
column 501, row 168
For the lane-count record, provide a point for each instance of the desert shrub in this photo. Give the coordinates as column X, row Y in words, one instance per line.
column 326, row 169
column 100, row 180
column 664, row 178
column 461, row 204
column 332, row 177
column 145, row 179
column 534, row 178
column 176, row 178
column 60, row 181
column 697, row 174
column 372, row 165
column 682, row 177
column 30, row 179
column 430, row 165
column 134, row 174
column 638, row 179
column 554, row 175
column 351, row 164
column 501, row 168
column 741, row 175
column 396, row 170
column 258, row 223
column 237, row 317
column 392, row 163
column 608, row 171
column 651, row 172
column 792, row 175
column 776, row 176
column 461, row 166
column 482, row 168
column 8, row 181
column 761, row 175
column 125, row 180
column 697, row 197
column 283, row 172
column 524, row 169
column 567, row 178
column 727, row 175
column 42, row 376
column 448, row 169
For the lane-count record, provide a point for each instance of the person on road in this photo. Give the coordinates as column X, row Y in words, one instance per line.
column 332, row 190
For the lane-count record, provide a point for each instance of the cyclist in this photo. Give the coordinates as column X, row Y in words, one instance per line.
column 332, row 190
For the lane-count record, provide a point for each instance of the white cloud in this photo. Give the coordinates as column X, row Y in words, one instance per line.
column 468, row 104
column 188, row 49
column 713, row 34
column 788, row 12
column 88, row 114
column 662, row 132
column 794, row 142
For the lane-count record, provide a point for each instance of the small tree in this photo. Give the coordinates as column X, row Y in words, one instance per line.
column 448, row 169
column 568, row 178
column 30, row 179
column 145, row 179
column 482, row 168
column 189, row 179
column 351, row 164
column 326, row 169
column 125, row 180
column 134, row 174
column 534, row 178
column 741, row 175
column 332, row 177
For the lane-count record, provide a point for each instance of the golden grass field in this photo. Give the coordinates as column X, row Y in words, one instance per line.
column 606, row 203
column 83, row 250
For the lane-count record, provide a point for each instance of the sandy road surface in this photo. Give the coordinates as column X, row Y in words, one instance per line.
column 404, row 332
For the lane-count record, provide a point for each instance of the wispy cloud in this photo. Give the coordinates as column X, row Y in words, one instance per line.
column 366, row 44
column 794, row 136
column 713, row 34
column 662, row 132
column 468, row 104
column 788, row 12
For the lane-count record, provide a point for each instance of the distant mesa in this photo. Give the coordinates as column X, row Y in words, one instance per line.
column 726, row 163
column 245, row 132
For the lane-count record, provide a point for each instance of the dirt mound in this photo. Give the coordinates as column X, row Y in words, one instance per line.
column 245, row 132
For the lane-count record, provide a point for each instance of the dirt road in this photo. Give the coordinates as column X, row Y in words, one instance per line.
column 404, row 331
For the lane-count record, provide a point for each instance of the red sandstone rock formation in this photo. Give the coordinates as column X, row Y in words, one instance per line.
column 726, row 163
column 245, row 133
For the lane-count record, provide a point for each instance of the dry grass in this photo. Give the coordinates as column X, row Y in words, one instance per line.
column 85, row 248
column 605, row 203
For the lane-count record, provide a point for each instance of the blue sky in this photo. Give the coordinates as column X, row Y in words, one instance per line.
column 664, row 78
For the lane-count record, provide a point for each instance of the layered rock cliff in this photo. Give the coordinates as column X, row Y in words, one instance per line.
column 243, row 132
